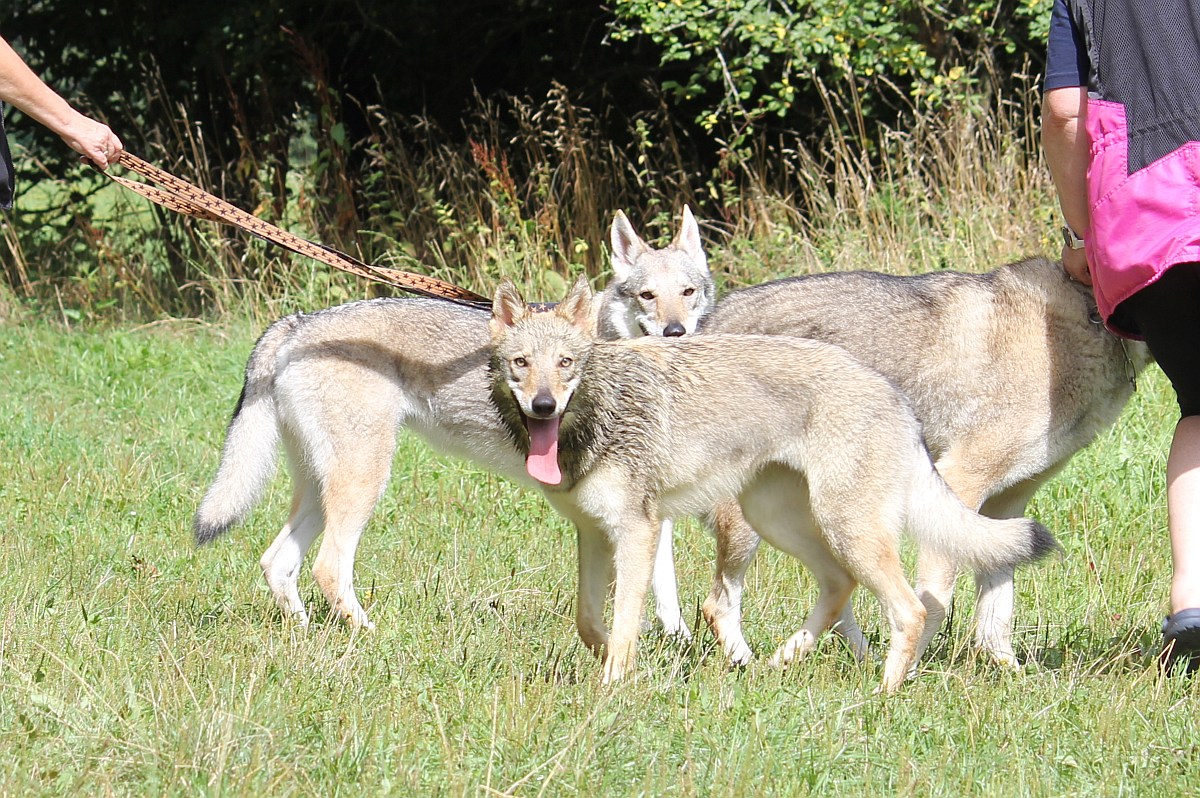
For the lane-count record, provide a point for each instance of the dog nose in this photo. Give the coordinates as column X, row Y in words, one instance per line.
column 543, row 405
column 674, row 330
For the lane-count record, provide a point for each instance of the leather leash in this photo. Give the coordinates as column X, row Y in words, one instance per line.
column 183, row 197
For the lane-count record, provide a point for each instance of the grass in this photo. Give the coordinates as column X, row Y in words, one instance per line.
column 132, row 663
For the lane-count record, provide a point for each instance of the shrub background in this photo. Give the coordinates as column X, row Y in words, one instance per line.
column 474, row 140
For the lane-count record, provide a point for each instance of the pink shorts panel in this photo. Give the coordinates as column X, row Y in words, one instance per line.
column 1141, row 224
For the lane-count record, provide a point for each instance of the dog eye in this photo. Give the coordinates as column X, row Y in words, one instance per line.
column 520, row 362
column 565, row 362
column 647, row 295
column 689, row 291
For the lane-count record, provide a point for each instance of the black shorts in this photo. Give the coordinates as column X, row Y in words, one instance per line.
column 1167, row 314
column 6, row 168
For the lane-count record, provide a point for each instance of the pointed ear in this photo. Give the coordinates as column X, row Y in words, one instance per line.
column 507, row 308
column 626, row 246
column 688, row 238
column 577, row 307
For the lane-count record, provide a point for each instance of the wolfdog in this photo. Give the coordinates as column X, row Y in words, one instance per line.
column 1008, row 373
column 823, row 455
column 337, row 385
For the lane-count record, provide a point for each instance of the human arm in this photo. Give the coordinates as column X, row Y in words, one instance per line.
column 1064, row 136
column 23, row 89
column 1065, row 143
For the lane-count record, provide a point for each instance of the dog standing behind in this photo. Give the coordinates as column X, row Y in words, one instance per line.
column 823, row 454
column 1007, row 372
column 336, row 386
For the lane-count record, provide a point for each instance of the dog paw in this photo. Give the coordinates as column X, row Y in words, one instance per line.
column 738, row 653
column 357, row 618
column 1002, row 656
column 364, row 623
column 677, row 630
column 612, row 673
column 795, row 648
column 296, row 616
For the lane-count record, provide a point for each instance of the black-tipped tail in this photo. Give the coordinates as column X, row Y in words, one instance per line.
column 1042, row 543
column 206, row 532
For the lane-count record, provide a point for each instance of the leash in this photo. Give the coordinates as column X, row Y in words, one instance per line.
column 1130, row 369
column 182, row 197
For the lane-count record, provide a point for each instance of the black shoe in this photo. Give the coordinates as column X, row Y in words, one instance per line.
column 1181, row 640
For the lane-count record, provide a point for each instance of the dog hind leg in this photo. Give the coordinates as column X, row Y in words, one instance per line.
column 995, row 592
column 355, row 479
column 994, row 602
column 737, row 543
column 282, row 560
column 864, row 541
column 905, row 614
column 834, row 586
column 936, row 573
column 776, row 505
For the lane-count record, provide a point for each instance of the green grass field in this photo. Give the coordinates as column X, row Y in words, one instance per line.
column 132, row 663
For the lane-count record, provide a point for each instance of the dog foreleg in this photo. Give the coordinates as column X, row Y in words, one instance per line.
column 666, row 590
column 595, row 576
column 995, row 599
column 994, row 616
column 737, row 543
column 635, row 543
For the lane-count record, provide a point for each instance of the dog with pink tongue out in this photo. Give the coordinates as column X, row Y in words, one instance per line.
column 822, row 453
column 542, row 462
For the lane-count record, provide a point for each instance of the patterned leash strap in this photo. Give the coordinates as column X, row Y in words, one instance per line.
column 182, row 197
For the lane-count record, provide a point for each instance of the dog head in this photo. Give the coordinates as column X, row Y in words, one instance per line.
column 538, row 359
column 660, row 292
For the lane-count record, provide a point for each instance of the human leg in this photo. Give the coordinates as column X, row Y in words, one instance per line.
column 1168, row 315
column 1183, row 512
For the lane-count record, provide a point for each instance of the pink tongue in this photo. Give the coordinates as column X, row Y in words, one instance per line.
column 542, row 463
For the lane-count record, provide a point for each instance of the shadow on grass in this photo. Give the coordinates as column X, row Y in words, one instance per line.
column 1131, row 650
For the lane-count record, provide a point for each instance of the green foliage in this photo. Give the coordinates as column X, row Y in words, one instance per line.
column 238, row 99
column 745, row 60
column 530, row 194
column 283, row 110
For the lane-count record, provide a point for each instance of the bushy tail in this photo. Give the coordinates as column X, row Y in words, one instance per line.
column 251, row 443
column 940, row 520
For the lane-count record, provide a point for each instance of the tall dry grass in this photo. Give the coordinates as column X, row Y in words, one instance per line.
column 962, row 187
column 527, row 189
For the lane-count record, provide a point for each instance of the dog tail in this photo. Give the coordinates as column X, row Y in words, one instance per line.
column 940, row 520
column 251, row 442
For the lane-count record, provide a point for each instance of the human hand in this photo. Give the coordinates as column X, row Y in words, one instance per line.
column 1075, row 264
column 93, row 140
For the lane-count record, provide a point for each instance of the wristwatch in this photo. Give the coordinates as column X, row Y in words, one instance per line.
column 1070, row 240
